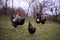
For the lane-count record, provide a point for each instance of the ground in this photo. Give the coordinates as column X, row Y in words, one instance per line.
column 48, row 31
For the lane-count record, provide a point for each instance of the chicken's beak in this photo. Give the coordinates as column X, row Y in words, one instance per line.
column 16, row 29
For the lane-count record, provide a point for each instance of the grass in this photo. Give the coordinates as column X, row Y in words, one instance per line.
column 48, row 31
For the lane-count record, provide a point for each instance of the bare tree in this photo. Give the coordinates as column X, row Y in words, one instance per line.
column 5, row 7
column 12, row 7
column 30, row 4
column 1, row 3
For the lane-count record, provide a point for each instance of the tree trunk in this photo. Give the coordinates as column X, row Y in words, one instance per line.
column 5, row 9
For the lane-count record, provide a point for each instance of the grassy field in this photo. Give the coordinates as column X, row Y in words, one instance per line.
column 48, row 31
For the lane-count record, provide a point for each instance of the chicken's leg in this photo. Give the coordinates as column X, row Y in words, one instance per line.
column 16, row 29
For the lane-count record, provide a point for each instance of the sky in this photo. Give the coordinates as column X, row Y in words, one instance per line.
column 24, row 4
column 20, row 3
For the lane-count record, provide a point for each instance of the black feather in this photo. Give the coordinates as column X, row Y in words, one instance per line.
column 38, row 17
column 17, row 21
column 31, row 29
column 43, row 21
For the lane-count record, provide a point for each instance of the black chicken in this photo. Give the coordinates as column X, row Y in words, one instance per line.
column 43, row 21
column 38, row 19
column 31, row 29
column 58, row 20
column 17, row 22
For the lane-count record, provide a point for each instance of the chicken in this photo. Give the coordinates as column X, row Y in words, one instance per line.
column 43, row 21
column 38, row 20
column 31, row 29
column 58, row 20
column 17, row 22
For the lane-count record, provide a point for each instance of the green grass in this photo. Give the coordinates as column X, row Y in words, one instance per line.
column 48, row 31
